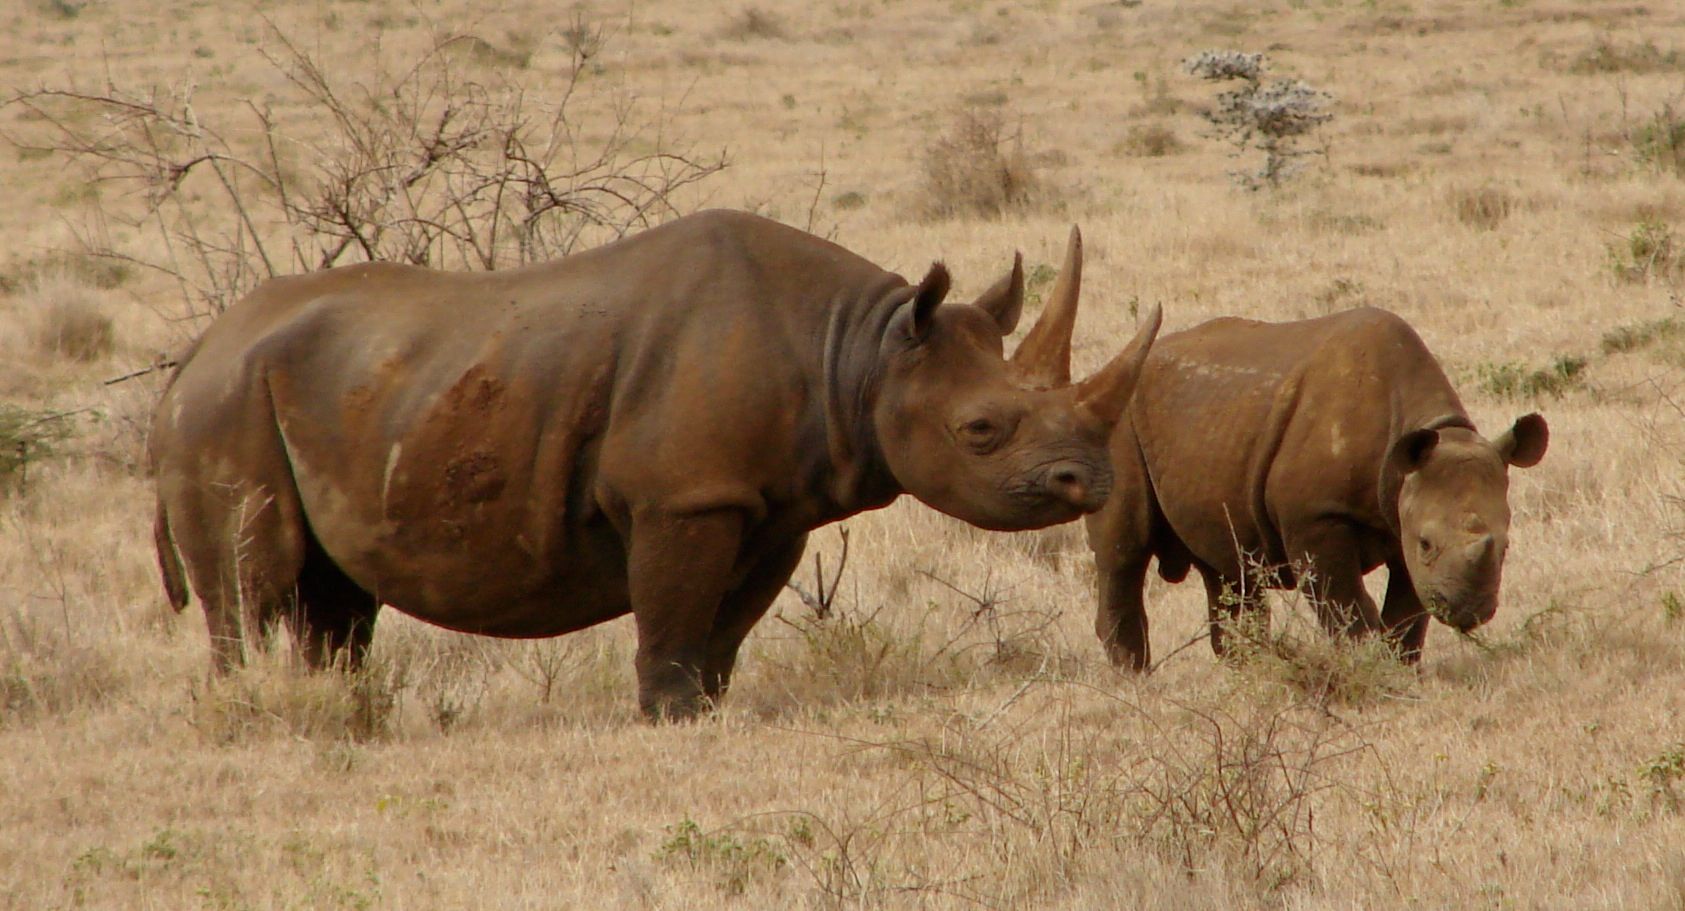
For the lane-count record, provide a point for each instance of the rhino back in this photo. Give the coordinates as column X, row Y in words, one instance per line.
column 1249, row 428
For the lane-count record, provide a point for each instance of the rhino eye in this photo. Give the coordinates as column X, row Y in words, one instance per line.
column 1425, row 546
column 980, row 435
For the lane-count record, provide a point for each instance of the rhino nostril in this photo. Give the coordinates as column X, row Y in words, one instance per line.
column 1071, row 482
column 1067, row 478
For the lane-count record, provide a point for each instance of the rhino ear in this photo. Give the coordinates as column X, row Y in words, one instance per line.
column 1005, row 298
column 1407, row 453
column 1524, row 444
column 927, row 297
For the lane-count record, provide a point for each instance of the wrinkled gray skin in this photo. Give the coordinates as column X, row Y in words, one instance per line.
column 1334, row 443
column 650, row 427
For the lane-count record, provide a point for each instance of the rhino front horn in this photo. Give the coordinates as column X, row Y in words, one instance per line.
column 1043, row 358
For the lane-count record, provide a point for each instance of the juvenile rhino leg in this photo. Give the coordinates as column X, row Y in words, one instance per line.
column 679, row 571
column 1229, row 603
column 1121, row 621
column 333, row 618
column 1120, row 535
column 1331, row 554
column 741, row 609
column 1402, row 616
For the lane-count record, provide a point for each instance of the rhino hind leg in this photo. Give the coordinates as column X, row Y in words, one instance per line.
column 741, row 609
column 332, row 619
column 242, row 556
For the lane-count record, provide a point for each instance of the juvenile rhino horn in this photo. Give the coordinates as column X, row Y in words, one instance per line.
column 1106, row 394
column 1043, row 358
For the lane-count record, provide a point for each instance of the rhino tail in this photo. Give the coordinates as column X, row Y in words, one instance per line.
column 169, row 560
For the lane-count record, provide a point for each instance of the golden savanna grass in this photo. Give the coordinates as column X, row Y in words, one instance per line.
column 1503, row 174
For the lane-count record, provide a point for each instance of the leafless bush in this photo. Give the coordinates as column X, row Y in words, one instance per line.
column 979, row 168
column 430, row 163
column 1236, row 783
column 1269, row 116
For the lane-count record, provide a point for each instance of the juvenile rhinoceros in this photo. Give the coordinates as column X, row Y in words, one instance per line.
column 1334, row 444
column 652, row 427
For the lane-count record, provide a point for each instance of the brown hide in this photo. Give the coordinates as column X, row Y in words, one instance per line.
column 1252, row 450
column 652, row 426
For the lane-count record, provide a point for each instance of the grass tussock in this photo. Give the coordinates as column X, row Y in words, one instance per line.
column 1659, row 141
column 1151, row 141
column 1649, row 251
column 755, row 23
column 273, row 698
column 1483, row 208
column 71, row 322
column 1639, row 336
column 979, row 168
column 1513, row 380
column 1607, row 55
column 50, row 669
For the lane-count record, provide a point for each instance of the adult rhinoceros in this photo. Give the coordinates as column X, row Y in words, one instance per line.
column 652, row 427
column 1335, row 445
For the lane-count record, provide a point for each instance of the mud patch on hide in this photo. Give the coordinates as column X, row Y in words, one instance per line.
column 474, row 477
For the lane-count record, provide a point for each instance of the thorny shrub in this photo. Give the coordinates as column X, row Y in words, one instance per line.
column 1269, row 116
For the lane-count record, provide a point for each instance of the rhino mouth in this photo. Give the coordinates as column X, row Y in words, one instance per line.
column 1464, row 614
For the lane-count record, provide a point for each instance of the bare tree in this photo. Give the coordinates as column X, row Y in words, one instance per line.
column 436, row 162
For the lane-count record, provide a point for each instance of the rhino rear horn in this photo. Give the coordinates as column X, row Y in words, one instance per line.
column 1105, row 394
column 1043, row 358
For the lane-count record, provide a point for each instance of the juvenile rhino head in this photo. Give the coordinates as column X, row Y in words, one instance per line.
column 1004, row 445
column 1451, row 489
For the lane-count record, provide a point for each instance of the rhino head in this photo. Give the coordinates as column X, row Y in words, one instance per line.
column 1002, row 444
column 1450, row 487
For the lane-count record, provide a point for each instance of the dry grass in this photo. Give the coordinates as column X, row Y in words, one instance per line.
column 917, row 749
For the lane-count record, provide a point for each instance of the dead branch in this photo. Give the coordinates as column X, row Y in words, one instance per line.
column 821, row 603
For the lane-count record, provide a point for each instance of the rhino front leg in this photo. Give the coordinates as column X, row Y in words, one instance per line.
column 1330, row 552
column 1121, row 621
column 742, row 609
column 679, row 571
column 1402, row 616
